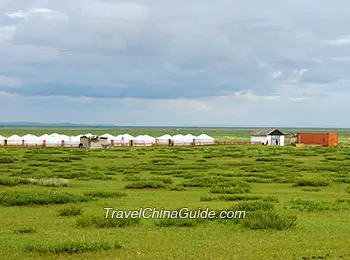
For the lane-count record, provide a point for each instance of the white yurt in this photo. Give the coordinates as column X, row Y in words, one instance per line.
column 189, row 139
column 144, row 140
column 204, row 139
column 55, row 140
column 66, row 140
column 181, row 140
column 123, row 140
column 164, row 139
column 14, row 140
column 31, row 140
column 110, row 138
column 74, row 141
column 43, row 137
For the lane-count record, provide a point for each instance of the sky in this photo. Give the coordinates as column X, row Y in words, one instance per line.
column 273, row 63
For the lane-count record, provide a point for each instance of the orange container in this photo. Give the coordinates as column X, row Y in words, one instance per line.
column 323, row 139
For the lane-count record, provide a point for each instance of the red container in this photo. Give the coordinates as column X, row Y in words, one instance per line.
column 323, row 139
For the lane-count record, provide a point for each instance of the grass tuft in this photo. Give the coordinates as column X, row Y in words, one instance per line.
column 146, row 185
column 72, row 247
column 28, row 198
column 105, row 194
column 25, row 230
column 311, row 182
column 70, row 211
column 101, row 222
column 269, row 220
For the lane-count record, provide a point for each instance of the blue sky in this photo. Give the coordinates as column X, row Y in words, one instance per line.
column 142, row 62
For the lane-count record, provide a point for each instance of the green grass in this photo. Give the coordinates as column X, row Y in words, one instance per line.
column 70, row 211
column 72, row 247
column 52, row 200
column 101, row 222
column 29, row 198
column 25, row 230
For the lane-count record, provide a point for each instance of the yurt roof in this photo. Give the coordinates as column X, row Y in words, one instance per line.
column 126, row 137
column 14, row 137
column 109, row 136
column 29, row 136
column 147, row 137
column 179, row 137
column 204, row 136
column 164, row 137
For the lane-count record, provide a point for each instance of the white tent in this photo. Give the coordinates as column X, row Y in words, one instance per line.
column 182, row 140
column 73, row 141
column 55, row 140
column 14, row 140
column 43, row 137
column 123, row 140
column 110, row 138
column 189, row 139
column 189, row 136
column 31, row 140
column 164, row 139
column 144, row 140
column 204, row 139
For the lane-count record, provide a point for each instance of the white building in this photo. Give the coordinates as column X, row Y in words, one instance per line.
column 74, row 141
column 272, row 137
column 144, row 140
column 55, row 140
column 181, row 140
column 123, row 140
column 31, row 140
column 110, row 138
column 204, row 139
column 164, row 139
column 14, row 140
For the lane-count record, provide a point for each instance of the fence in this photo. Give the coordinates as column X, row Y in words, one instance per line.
column 112, row 143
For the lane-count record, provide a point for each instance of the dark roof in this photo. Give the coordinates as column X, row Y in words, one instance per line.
column 266, row 131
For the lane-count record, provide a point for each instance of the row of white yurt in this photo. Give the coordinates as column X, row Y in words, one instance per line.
column 119, row 140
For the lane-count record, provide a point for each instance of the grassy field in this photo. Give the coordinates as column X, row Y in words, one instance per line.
column 52, row 201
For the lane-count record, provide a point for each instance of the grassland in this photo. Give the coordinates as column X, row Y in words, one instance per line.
column 297, row 202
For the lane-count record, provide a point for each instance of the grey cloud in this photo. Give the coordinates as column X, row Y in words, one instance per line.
column 167, row 49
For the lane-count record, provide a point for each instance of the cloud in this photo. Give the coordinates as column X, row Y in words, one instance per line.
column 10, row 82
column 344, row 40
column 144, row 57
column 300, row 99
